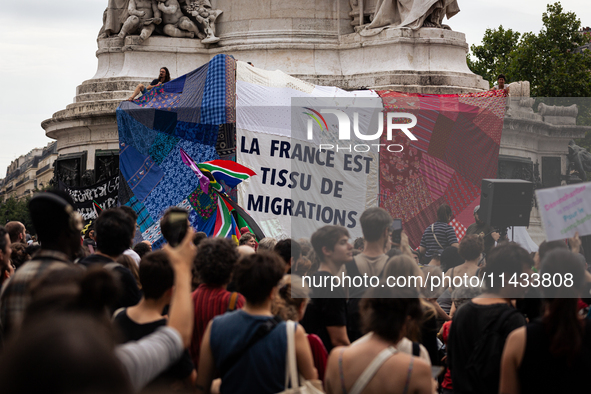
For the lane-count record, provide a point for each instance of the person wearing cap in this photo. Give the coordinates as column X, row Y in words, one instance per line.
column 58, row 226
column 483, row 230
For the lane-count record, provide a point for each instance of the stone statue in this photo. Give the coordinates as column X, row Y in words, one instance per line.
column 176, row 24
column 580, row 158
column 206, row 17
column 144, row 15
column 412, row 13
column 113, row 18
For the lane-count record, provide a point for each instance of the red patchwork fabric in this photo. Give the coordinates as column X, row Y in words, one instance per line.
column 458, row 146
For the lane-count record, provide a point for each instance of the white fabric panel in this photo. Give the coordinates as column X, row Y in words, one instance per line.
column 271, row 114
column 267, row 196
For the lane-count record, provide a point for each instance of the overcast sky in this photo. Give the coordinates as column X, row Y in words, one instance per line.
column 48, row 48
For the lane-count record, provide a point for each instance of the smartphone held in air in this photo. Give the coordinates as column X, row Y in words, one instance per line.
column 396, row 225
column 174, row 227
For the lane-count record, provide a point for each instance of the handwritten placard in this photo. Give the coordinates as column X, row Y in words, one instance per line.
column 565, row 210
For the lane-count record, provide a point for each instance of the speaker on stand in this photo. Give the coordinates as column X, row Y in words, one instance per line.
column 505, row 202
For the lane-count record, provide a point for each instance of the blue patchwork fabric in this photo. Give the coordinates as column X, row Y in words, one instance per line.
column 187, row 112
column 165, row 101
column 161, row 147
column 153, row 234
column 197, row 132
column 176, row 85
column 144, row 220
column 213, row 106
column 134, row 133
column 179, row 180
column 189, row 109
column 140, row 171
column 165, row 121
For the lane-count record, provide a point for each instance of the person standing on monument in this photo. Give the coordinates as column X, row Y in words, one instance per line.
column 501, row 83
column 163, row 77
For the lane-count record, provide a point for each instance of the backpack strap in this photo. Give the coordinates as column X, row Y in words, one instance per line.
column 232, row 302
column 111, row 266
column 118, row 311
column 262, row 330
column 434, row 236
column 372, row 369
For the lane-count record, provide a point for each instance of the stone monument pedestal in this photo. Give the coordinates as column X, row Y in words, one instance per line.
column 427, row 60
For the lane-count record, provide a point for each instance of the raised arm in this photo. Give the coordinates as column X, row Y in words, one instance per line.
column 181, row 306
column 511, row 360
column 206, row 371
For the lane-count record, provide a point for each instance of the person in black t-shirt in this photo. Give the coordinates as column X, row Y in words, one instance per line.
column 163, row 77
column 481, row 326
column 136, row 322
column 326, row 316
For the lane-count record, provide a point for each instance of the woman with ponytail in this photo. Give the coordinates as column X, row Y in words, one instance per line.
column 551, row 354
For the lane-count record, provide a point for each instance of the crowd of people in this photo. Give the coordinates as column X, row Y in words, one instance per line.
column 87, row 311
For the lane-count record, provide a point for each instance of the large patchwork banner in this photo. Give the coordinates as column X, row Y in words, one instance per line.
column 300, row 185
column 195, row 113
column 310, row 149
column 457, row 145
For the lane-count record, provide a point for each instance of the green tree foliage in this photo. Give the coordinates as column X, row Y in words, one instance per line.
column 493, row 57
column 547, row 60
column 13, row 209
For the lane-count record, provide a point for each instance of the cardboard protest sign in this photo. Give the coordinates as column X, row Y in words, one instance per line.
column 565, row 210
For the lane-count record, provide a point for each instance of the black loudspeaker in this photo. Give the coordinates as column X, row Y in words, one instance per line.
column 505, row 202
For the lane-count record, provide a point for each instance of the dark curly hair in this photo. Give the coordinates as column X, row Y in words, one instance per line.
column 215, row 261
column 471, row 247
column 256, row 275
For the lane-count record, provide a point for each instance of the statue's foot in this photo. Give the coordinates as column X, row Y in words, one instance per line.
column 190, row 34
column 446, row 27
column 429, row 24
column 210, row 40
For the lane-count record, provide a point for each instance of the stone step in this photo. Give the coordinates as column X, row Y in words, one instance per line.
column 101, row 96
column 109, row 85
column 106, row 107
